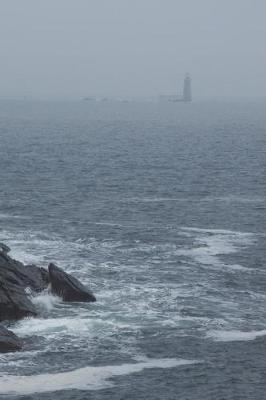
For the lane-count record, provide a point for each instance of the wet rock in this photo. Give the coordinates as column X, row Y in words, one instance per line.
column 67, row 287
column 9, row 341
column 22, row 275
column 4, row 248
column 14, row 303
column 15, row 277
column 33, row 277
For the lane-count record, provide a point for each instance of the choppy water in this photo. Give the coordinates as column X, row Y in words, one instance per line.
column 160, row 209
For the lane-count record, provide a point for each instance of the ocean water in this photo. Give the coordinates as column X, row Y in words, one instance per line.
column 160, row 209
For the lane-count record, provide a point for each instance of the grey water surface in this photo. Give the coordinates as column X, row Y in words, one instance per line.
column 160, row 209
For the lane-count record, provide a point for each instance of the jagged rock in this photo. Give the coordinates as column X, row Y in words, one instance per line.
column 33, row 277
column 14, row 303
column 4, row 248
column 14, row 279
column 68, row 287
column 23, row 275
column 9, row 341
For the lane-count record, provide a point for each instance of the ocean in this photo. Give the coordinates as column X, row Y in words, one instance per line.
column 160, row 208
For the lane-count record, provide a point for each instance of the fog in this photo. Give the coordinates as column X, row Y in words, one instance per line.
column 73, row 48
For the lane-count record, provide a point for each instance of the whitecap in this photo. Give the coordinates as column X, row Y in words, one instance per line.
column 156, row 199
column 216, row 231
column 88, row 378
column 12, row 216
column 235, row 335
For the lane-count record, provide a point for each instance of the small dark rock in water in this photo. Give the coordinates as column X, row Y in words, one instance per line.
column 9, row 341
column 68, row 287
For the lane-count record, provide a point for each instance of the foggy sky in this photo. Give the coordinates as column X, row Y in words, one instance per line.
column 132, row 47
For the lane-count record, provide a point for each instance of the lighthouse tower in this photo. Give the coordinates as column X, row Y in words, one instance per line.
column 187, row 96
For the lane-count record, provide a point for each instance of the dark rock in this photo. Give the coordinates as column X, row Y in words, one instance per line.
column 14, row 303
column 4, row 248
column 15, row 277
column 23, row 275
column 68, row 287
column 33, row 277
column 9, row 341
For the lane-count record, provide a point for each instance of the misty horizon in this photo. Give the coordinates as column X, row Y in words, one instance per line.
column 133, row 192
column 132, row 49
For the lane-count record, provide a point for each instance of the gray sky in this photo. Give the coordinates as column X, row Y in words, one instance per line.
column 132, row 47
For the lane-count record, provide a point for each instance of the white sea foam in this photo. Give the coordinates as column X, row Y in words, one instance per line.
column 45, row 301
column 88, row 378
column 76, row 326
column 11, row 216
column 31, row 247
column 216, row 231
column 210, row 244
column 114, row 224
column 227, row 199
column 40, row 248
column 51, row 326
column 19, row 359
column 235, row 335
column 155, row 199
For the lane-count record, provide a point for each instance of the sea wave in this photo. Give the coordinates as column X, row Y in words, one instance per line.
column 88, row 378
column 235, row 335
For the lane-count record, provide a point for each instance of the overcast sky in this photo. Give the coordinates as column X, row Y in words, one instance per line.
column 132, row 47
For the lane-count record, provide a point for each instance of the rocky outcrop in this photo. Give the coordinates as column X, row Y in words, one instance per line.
column 17, row 279
column 68, row 287
column 14, row 279
column 14, row 303
column 9, row 341
column 22, row 275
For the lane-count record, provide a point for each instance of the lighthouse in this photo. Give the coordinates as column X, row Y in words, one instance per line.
column 187, row 96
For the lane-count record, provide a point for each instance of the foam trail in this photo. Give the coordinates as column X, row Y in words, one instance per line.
column 210, row 244
column 216, row 231
column 88, row 378
column 233, row 336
